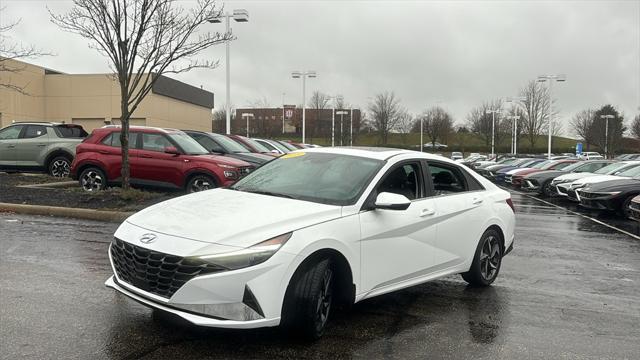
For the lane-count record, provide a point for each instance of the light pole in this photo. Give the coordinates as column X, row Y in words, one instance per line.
column 606, row 133
column 304, row 75
column 493, row 113
column 333, row 116
column 514, row 141
column 247, row 115
column 239, row 15
column 551, row 79
column 421, row 133
column 351, row 127
column 341, row 113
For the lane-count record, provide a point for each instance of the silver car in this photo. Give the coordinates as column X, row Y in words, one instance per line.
column 39, row 146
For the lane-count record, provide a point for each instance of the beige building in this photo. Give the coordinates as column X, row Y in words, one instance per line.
column 93, row 100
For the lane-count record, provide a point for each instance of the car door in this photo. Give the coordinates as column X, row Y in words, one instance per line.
column 31, row 145
column 110, row 154
column 8, row 138
column 153, row 165
column 462, row 207
column 397, row 245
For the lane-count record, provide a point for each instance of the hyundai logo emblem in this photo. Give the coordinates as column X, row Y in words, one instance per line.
column 148, row 238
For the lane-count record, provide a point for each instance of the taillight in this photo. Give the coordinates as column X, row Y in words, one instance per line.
column 510, row 203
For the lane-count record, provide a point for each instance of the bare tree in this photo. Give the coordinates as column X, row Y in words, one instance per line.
column 385, row 112
column 610, row 138
column 318, row 102
column 405, row 125
column 438, row 124
column 480, row 122
column 635, row 127
column 143, row 40
column 582, row 124
column 537, row 107
column 10, row 50
column 220, row 118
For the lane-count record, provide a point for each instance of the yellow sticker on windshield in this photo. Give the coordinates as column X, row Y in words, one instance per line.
column 291, row 155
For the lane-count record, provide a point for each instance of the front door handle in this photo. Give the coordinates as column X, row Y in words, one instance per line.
column 427, row 212
column 476, row 201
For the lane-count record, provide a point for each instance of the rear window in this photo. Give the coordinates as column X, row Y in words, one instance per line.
column 70, row 131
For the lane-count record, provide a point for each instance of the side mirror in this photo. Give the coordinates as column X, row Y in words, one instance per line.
column 171, row 150
column 274, row 151
column 391, row 201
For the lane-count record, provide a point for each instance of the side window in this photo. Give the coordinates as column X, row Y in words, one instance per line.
column 34, row 131
column 446, row 179
column 11, row 133
column 155, row 142
column 404, row 180
column 113, row 139
column 208, row 143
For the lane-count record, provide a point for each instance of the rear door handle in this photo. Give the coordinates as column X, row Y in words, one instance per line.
column 427, row 212
column 476, row 201
column 105, row 152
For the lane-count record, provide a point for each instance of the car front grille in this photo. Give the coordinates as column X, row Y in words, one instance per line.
column 155, row 272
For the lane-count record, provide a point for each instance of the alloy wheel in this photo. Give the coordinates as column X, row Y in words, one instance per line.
column 490, row 258
column 324, row 299
column 200, row 184
column 92, row 181
column 60, row 168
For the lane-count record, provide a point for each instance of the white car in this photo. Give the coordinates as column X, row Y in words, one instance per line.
column 590, row 155
column 308, row 231
column 628, row 171
column 563, row 183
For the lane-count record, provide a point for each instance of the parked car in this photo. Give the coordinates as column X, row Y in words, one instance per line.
column 590, row 155
column 222, row 145
column 482, row 164
column 612, row 195
column 157, row 157
column 254, row 146
column 291, row 145
column 309, row 231
column 501, row 174
column 39, row 146
column 563, row 183
column 516, row 178
column 634, row 208
column 274, row 146
column 625, row 173
column 540, row 182
column 456, row 155
column 490, row 171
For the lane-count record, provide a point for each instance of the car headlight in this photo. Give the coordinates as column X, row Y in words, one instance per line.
column 561, row 181
column 605, row 193
column 576, row 186
column 250, row 256
column 231, row 175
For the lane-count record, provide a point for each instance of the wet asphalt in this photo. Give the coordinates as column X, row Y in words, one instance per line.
column 569, row 290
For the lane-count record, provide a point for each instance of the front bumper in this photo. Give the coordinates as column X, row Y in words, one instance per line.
column 530, row 185
column 192, row 317
column 562, row 189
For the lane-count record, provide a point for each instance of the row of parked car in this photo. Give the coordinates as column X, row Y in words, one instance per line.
column 169, row 158
column 600, row 184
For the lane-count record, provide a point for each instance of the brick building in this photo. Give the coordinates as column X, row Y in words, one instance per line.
column 268, row 122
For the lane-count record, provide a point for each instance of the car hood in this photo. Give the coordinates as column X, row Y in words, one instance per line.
column 517, row 171
column 255, row 159
column 231, row 217
column 219, row 159
column 494, row 168
column 623, row 184
column 573, row 176
column 596, row 179
column 527, row 172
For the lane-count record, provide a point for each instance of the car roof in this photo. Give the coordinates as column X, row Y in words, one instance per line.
column 45, row 123
column 379, row 153
column 143, row 129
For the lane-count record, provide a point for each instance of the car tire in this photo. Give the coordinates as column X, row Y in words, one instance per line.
column 547, row 190
column 199, row 183
column 92, row 179
column 486, row 261
column 309, row 301
column 59, row 166
column 624, row 209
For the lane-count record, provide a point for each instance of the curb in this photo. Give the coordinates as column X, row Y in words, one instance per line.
column 87, row 214
column 52, row 185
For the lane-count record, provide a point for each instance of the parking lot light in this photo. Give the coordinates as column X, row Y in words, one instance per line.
column 550, row 79
column 304, row 75
column 247, row 115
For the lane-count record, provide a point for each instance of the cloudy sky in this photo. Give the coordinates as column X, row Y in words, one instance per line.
column 454, row 53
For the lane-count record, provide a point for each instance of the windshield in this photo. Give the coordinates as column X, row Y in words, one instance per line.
column 575, row 166
column 541, row 164
column 256, row 145
column 317, row 177
column 557, row 166
column 611, row 168
column 632, row 172
column 229, row 145
column 278, row 146
column 187, row 144
column 287, row 145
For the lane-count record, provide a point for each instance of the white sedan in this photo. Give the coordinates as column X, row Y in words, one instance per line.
column 311, row 230
column 563, row 183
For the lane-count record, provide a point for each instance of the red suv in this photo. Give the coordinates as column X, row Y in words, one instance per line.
column 157, row 157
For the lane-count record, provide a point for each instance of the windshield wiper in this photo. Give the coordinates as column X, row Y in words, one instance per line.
column 266, row 193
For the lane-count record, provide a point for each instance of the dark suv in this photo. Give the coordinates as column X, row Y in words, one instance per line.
column 220, row 144
column 158, row 157
column 39, row 146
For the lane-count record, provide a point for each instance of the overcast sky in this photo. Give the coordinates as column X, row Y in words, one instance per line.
column 455, row 53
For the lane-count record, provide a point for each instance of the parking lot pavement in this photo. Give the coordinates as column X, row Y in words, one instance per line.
column 570, row 289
